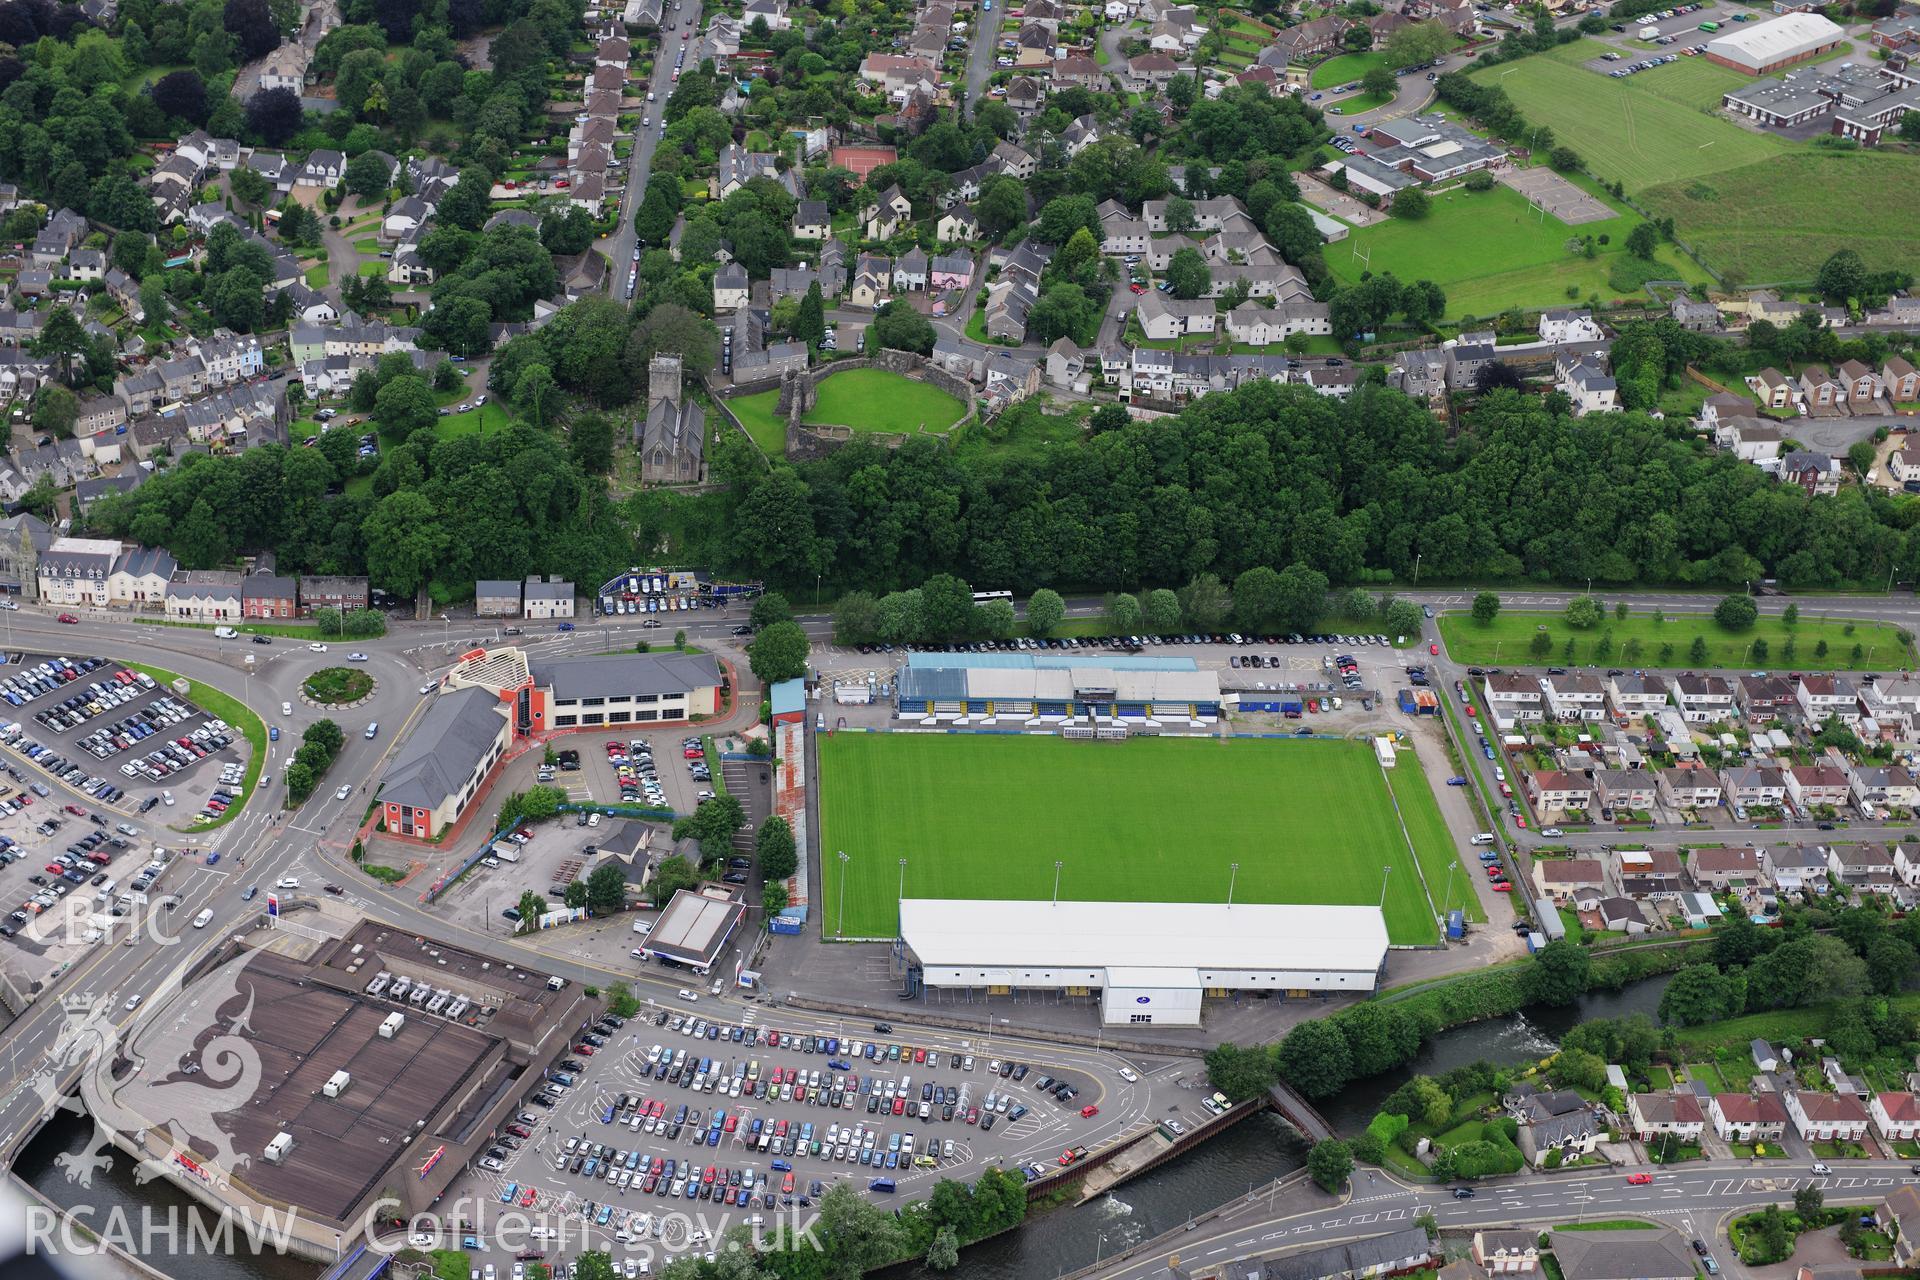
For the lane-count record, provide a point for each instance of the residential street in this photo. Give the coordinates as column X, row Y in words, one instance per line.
column 1695, row 1199
column 986, row 34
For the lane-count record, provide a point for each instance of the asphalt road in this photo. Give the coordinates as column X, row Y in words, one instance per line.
column 1697, row 1200
column 986, row 35
column 646, row 136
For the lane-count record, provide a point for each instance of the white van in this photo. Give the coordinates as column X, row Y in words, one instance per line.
column 200, row 921
column 226, row 633
column 373, row 730
column 106, row 890
column 1485, row 837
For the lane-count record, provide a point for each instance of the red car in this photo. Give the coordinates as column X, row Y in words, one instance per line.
column 1639, row 1179
column 1471, row 710
column 526, row 1201
column 1137, row 288
column 1434, row 649
column 1502, row 886
column 1522, row 822
column 1089, row 1111
column 76, row 811
column 67, row 617
column 584, row 1050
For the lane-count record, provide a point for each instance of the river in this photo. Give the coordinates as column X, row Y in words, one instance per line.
column 1248, row 1155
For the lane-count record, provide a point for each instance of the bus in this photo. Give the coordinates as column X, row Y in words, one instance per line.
column 981, row 597
column 1709, row 26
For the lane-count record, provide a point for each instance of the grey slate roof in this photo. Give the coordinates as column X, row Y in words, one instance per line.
column 1622, row 1255
column 440, row 755
column 625, row 674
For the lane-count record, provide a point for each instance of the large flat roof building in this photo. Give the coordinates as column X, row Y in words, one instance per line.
column 358, row 1089
column 1763, row 47
column 1151, row 961
column 1056, row 688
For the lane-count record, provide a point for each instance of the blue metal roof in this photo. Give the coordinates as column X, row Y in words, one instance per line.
column 1046, row 661
column 934, row 684
column 789, row 696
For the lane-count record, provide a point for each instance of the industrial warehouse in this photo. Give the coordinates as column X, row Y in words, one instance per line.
column 1150, row 962
column 1056, row 690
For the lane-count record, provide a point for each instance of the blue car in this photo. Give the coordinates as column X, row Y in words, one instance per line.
column 565, row 626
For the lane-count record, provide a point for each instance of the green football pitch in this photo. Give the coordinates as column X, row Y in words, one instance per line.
column 1150, row 819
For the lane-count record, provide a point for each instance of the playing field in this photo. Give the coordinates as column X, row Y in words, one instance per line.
column 1644, row 130
column 1488, row 250
column 1151, row 819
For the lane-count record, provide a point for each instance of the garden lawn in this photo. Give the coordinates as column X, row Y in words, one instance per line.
column 1508, row 638
column 1776, row 221
column 1438, row 852
column 880, row 400
column 1488, row 250
column 1642, row 130
column 756, row 414
column 1153, row 819
column 1345, row 68
column 487, row 417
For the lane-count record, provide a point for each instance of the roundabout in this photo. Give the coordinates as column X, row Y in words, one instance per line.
column 337, row 687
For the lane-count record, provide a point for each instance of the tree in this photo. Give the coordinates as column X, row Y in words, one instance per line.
column 899, row 327
column 671, row 329
column 1579, row 1069
column 251, row 25
column 1162, row 612
column 1860, row 455
column 595, row 1265
column 1842, row 277
column 1736, row 613
column 274, row 115
column 1890, row 962
column 1205, row 602
column 606, row 887
column 1486, row 607
column 768, row 608
column 775, row 848
column 1330, row 1163
column 1417, row 42
column 531, row 907
column 406, row 405
column 1584, row 613
column 859, row 1235
column 1411, row 204
column 1642, row 241
column 674, row 874
column 54, row 410
column 1808, row 1201
column 1403, row 618
column 1188, row 274
column 1045, row 611
column 946, row 608
column 61, row 338
column 1314, row 1058
column 1242, row 1072
column 778, row 653
column 774, row 898
column 590, row 441
column 183, row 95
column 1558, row 974
column 856, row 618
column 567, row 231
column 1123, row 613
column 1380, row 82
column 996, row 618
column 944, row 1253
column 810, row 325
column 1699, row 993
column 367, row 175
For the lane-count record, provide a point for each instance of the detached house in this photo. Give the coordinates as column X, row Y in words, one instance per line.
column 1817, row 473
column 887, row 214
column 1562, row 879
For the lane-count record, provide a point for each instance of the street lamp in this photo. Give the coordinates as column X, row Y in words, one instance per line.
column 903, row 879
column 1416, row 570
column 1384, row 873
column 1057, row 864
column 1233, row 874
column 844, row 860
